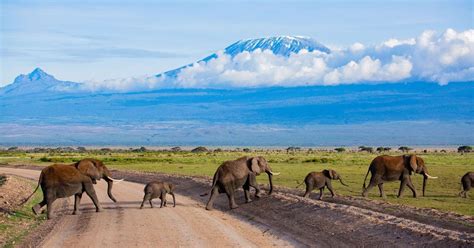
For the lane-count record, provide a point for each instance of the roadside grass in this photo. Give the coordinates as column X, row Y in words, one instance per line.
column 441, row 193
column 15, row 226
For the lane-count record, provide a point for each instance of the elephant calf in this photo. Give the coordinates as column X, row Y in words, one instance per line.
column 158, row 189
column 467, row 182
column 319, row 180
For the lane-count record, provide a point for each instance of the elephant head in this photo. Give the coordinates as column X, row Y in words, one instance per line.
column 417, row 165
column 332, row 174
column 96, row 170
column 258, row 165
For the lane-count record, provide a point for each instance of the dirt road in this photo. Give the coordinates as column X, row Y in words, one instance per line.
column 123, row 224
column 282, row 219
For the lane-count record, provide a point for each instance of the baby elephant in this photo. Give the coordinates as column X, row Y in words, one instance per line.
column 467, row 182
column 157, row 189
column 319, row 180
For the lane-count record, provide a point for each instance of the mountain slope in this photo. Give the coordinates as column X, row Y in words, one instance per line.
column 37, row 82
column 278, row 45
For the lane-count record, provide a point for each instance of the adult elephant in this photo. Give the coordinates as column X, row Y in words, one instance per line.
column 60, row 180
column 239, row 173
column 391, row 168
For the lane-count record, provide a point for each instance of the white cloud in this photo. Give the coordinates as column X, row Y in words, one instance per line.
column 432, row 57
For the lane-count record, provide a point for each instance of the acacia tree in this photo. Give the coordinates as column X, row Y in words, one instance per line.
column 405, row 148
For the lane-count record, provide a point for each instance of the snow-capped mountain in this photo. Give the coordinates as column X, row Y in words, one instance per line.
column 37, row 82
column 279, row 45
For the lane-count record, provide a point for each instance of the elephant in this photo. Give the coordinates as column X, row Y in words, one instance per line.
column 319, row 180
column 234, row 174
column 387, row 168
column 158, row 189
column 61, row 180
column 467, row 182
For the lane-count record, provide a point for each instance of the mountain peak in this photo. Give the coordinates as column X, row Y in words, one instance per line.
column 279, row 45
column 38, row 74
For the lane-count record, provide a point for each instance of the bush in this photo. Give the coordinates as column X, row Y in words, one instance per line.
column 366, row 149
column 464, row 149
column 45, row 159
column 246, row 150
column 340, row 149
column 200, row 149
column 405, row 148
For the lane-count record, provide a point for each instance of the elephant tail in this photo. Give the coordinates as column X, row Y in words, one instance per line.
column 214, row 182
column 37, row 186
column 299, row 184
column 363, row 187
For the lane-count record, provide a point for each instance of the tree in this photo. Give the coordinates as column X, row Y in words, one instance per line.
column 366, row 149
column 176, row 149
column 246, row 150
column 199, row 149
column 464, row 149
column 81, row 149
column 340, row 149
column 405, row 148
column 380, row 149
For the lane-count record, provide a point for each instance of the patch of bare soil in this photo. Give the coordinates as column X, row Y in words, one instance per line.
column 338, row 222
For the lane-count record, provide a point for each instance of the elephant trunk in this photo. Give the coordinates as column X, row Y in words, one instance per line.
column 109, row 188
column 270, row 179
column 110, row 181
column 424, row 184
column 340, row 180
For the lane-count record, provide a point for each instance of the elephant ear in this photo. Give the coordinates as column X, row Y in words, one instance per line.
column 88, row 168
column 327, row 174
column 253, row 166
column 413, row 163
column 333, row 174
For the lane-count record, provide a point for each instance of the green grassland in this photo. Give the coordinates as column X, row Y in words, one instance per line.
column 442, row 193
column 16, row 225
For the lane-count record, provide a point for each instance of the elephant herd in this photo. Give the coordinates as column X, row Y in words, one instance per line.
column 59, row 180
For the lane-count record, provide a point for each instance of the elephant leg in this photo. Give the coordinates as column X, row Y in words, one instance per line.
column 403, row 182
column 49, row 208
column 309, row 188
column 254, row 184
column 214, row 193
column 375, row 180
column 321, row 190
column 77, row 201
column 163, row 199
column 412, row 187
column 231, row 195
column 146, row 197
column 382, row 193
column 247, row 193
column 330, row 190
column 36, row 208
column 90, row 191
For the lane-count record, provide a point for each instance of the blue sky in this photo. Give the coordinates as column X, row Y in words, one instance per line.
column 84, row 40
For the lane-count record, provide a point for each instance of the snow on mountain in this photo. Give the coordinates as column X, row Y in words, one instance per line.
column 37, row 82
column 279, row 45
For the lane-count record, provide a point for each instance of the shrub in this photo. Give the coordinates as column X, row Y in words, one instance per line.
column 405, row 148
column 340, row 149
column 366, row 149
column 200, row 149
column 464, row 149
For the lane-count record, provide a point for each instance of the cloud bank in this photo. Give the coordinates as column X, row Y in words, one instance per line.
column 430, row 57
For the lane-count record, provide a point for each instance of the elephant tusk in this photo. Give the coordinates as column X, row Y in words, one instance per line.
column 428, row 176
column 274, row 173
column 115, row 180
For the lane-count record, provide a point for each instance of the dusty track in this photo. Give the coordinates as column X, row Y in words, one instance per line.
column 122, row 224
column 341, row 222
